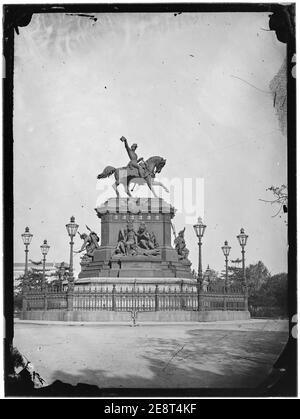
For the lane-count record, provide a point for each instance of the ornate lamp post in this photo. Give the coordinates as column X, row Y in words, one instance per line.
column 199, row 230
column 226, row 250
column 27, row 237
column 242, row 238
column 72, row 228
column 44, row 249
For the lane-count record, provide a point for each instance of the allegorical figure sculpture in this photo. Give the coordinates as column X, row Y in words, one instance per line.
column 127, row 243
column 90, row 244
column 140, row 242
column 146, row 240
column 137, row 169
column 180, row 245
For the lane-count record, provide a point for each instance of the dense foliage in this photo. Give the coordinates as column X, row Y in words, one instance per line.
column 270, row 300
column 267, row 293
column 34, row 279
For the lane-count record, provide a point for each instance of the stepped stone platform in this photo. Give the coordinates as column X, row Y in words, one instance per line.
column 168, row 281
column 138, row 284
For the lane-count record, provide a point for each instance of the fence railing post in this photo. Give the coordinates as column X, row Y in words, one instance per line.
column 70, row 300
column 200, row 296
column 45, row 300
column 225, row 297
column 156, row 298
column 182, row 301
column 113, row 298
column 24, row 301
column 246, row 297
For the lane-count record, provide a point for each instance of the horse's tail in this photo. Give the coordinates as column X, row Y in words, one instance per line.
column 108, row 171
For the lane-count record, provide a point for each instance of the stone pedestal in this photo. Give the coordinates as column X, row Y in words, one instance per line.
column 157, row 214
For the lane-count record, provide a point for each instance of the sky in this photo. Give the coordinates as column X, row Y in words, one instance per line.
column 192, row 88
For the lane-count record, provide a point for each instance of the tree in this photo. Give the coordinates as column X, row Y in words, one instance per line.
column 271, row 298
column 235, row 275
column 32, row 280
column 212, row 275
column 256, row 275
column 275, row 291
column 56, row 279
column 280, row 198
column 279, row 284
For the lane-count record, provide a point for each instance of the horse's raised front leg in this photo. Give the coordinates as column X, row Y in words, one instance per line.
column 156, row 183
column 149, row 183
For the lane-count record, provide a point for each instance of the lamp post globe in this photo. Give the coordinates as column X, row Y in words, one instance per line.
column 242, row 238
column 72, row 227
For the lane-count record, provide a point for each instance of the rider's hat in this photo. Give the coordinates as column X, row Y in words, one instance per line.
column 134, row 145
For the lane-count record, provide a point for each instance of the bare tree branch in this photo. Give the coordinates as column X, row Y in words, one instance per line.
column 280, row 198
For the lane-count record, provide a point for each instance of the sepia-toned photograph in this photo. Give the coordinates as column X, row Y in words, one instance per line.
column 149, row 248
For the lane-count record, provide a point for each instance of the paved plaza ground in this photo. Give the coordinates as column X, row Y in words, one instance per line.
column 236, row 354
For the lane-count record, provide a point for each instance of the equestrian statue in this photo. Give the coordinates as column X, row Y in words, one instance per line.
column 136, row 170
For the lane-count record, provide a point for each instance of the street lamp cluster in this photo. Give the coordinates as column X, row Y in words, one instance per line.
column 199, row 228
column 27, row 237
column 242, row 238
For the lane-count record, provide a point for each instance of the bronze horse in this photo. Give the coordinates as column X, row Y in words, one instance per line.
column 125, row 175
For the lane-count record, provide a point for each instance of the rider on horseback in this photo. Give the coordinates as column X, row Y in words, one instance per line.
column 134, row 161
column 147, row 170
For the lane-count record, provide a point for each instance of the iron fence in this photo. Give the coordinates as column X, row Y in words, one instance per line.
column 144, row 297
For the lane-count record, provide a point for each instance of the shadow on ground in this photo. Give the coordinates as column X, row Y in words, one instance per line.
column 205, row 362
column 214, row 363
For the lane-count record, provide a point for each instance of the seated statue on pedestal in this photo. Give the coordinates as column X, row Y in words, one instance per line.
column 132, row 243
column 146, row 240
column 127, row 241
column 180, row 245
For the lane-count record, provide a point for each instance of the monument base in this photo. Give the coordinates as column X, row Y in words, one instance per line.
column 111, row 259
column 117, row 266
